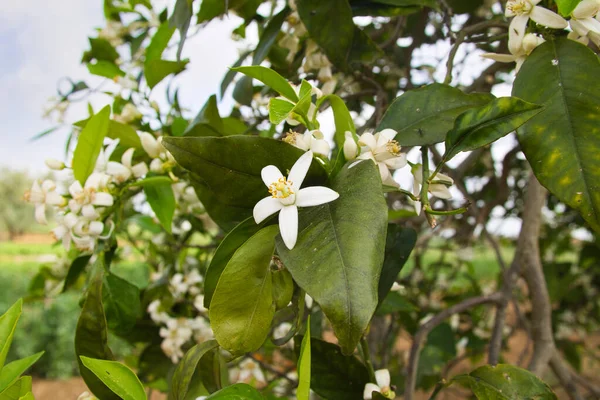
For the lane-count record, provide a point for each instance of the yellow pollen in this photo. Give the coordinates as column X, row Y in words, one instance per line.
column 393, row 147
column 281, row 189
column 518, row 7
column 291, row 137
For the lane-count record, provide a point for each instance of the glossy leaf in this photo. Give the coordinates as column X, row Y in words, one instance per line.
column 106, row 69
column 17, row 390
column 162, row 200
column 228, row 78
column 11, row 372
column 341, row 117
column 159, row 42
column 424, row 116
column 562, row 142
column 209, row 118
column 268, row 37
column 239, row 391
column 505, row 382
column 127, row 136
column 303, row 392
column 181, row 18
column 230, row 168
column 398, row 246
column 91, row 337
column 182, row 377
column 338, row 41
column 118, row 377
column 270, row 78
column 481, row 126
column 157, row 70
column 334, row 376
column 242, row 305
column 89, row 145
column 121, row 301
column 337, row 263
column 100, row 49
column 8, row 324
column 77, row 267
column 283, row 288
column 565, row 7
column 279, row 109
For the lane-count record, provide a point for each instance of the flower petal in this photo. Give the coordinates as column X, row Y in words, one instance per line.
column 265, row 208
column 548, row 18
column 388, row 134
column 369, row 389
column 586, row 9
column 315, row 195
column 288, row 225
column 440, row 191
column 103, row 199
column 75, row 188
column 503, row 58
column 382, row 376
column 591, row 24
column 40, row 214
column 516, row 32
column 367, row 139
column 127, row 157
column 270, row 174
column 384, row 172
column 299, row 169
column 320, row 146
column 396, row 162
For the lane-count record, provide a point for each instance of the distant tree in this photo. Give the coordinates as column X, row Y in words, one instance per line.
column 16, row 216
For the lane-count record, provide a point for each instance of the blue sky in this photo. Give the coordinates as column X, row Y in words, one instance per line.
column 42, row 41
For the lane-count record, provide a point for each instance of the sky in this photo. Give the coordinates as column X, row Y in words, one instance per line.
column 41, row 42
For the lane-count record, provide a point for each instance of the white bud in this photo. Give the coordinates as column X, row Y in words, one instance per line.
column 350, row 146
column 150, row 144
column 55, row 164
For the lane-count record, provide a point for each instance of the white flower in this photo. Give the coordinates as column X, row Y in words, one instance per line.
column 90, row 193
column 151, row 145
column 155, row 314
column 384, row 151
column 329, row 86
column 351, row 149
column 126, row 82
column 309, row 140
column 522, row 10
column 42, row 195
column 129, row 113
column 250, row 371
column 438, row 187
column 201, row 328
column 175, row 334
column 122, row 171
column 86, row 233
column 382, row 376
column 286, row 197
column 199, row 303
column 582, row 18
column 113, row 32
column 529, row 42
column 63, row 230
column 180, row 284
column 55, row 164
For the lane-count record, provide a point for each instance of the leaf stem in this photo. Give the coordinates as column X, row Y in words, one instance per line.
column 366, row 355
column 461, row 210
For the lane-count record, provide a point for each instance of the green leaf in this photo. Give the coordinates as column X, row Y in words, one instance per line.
column 106, row 69
column 398, row 245
column 11, row 372
column 424, row 116
column 228, row 78
column 91, row 334
column 100, row 49
column 181, row 18
column 562, row 142
column 341, row 117
column 339, row 41
column 89, row 145
column 208, row 116
column 279, row 109
column 242, row 305
column 157, row 70
column 270, row 78
column 153, row 180
column 127, row 136
column 303, row 392
column 481, row 126
column 28, row 396
column 182, row 377
column 243, row 92
column 8, row 324
column 239, row 391
column 162, row 201
column 268, row 38
column 565, row 7
column 234, row 126
column 121, row 301
column 283, row 288
column 339, row 254
column 505, row 382
column 230, row 168
column 120, row 379
column 159, row 42
column 333, row 375
column 394, row 302
column 17, row 390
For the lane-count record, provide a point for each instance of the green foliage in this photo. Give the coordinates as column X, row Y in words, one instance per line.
column 8, row 324
column 17, row 390
column 344, row 282
column 89, row 144
column 120, row 379
column 121, row 300
column 398, row 246
column 196, row 372
column 239, row 391
column 562, row 142
column 304, row 364
column 271, row 79
column 162, row 200
column 15, row 217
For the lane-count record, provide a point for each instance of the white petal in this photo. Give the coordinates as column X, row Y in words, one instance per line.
column 118, row 170
column 314, row 196
column 367, row 139
column 299, row 169
column 586, row 9
column 266, row 207
column 383, row 171
column 48, row 185
column 40, row 214
column 270, row 174
column 55, row 199
column 382, row 376
column 443, row 178
column 503, row 58
column 150, row 144
column 388, row 134
column 320, row 146
column 288, row 225
column 96, row 228
column 89, row 212
column 102, row 199
column 417, row 205
column 591, row 24
column 516, row 32
column 75, row 188
column 439, row 190
column 127, row 157
column 139, row 169
column 545, row 17
column 70, row 220
column 396, row 162
column 369, row 389
column 350, row 146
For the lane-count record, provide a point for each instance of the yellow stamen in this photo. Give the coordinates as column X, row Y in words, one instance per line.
column 290, row 138
column 281, row 189
column 393, row 147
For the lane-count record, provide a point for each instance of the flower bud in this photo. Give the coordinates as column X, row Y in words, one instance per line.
column 150, row 144
column 55, row 164
column 350, row 146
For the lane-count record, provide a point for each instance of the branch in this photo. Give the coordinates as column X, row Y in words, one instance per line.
column 421, row 335
column 564, row 375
